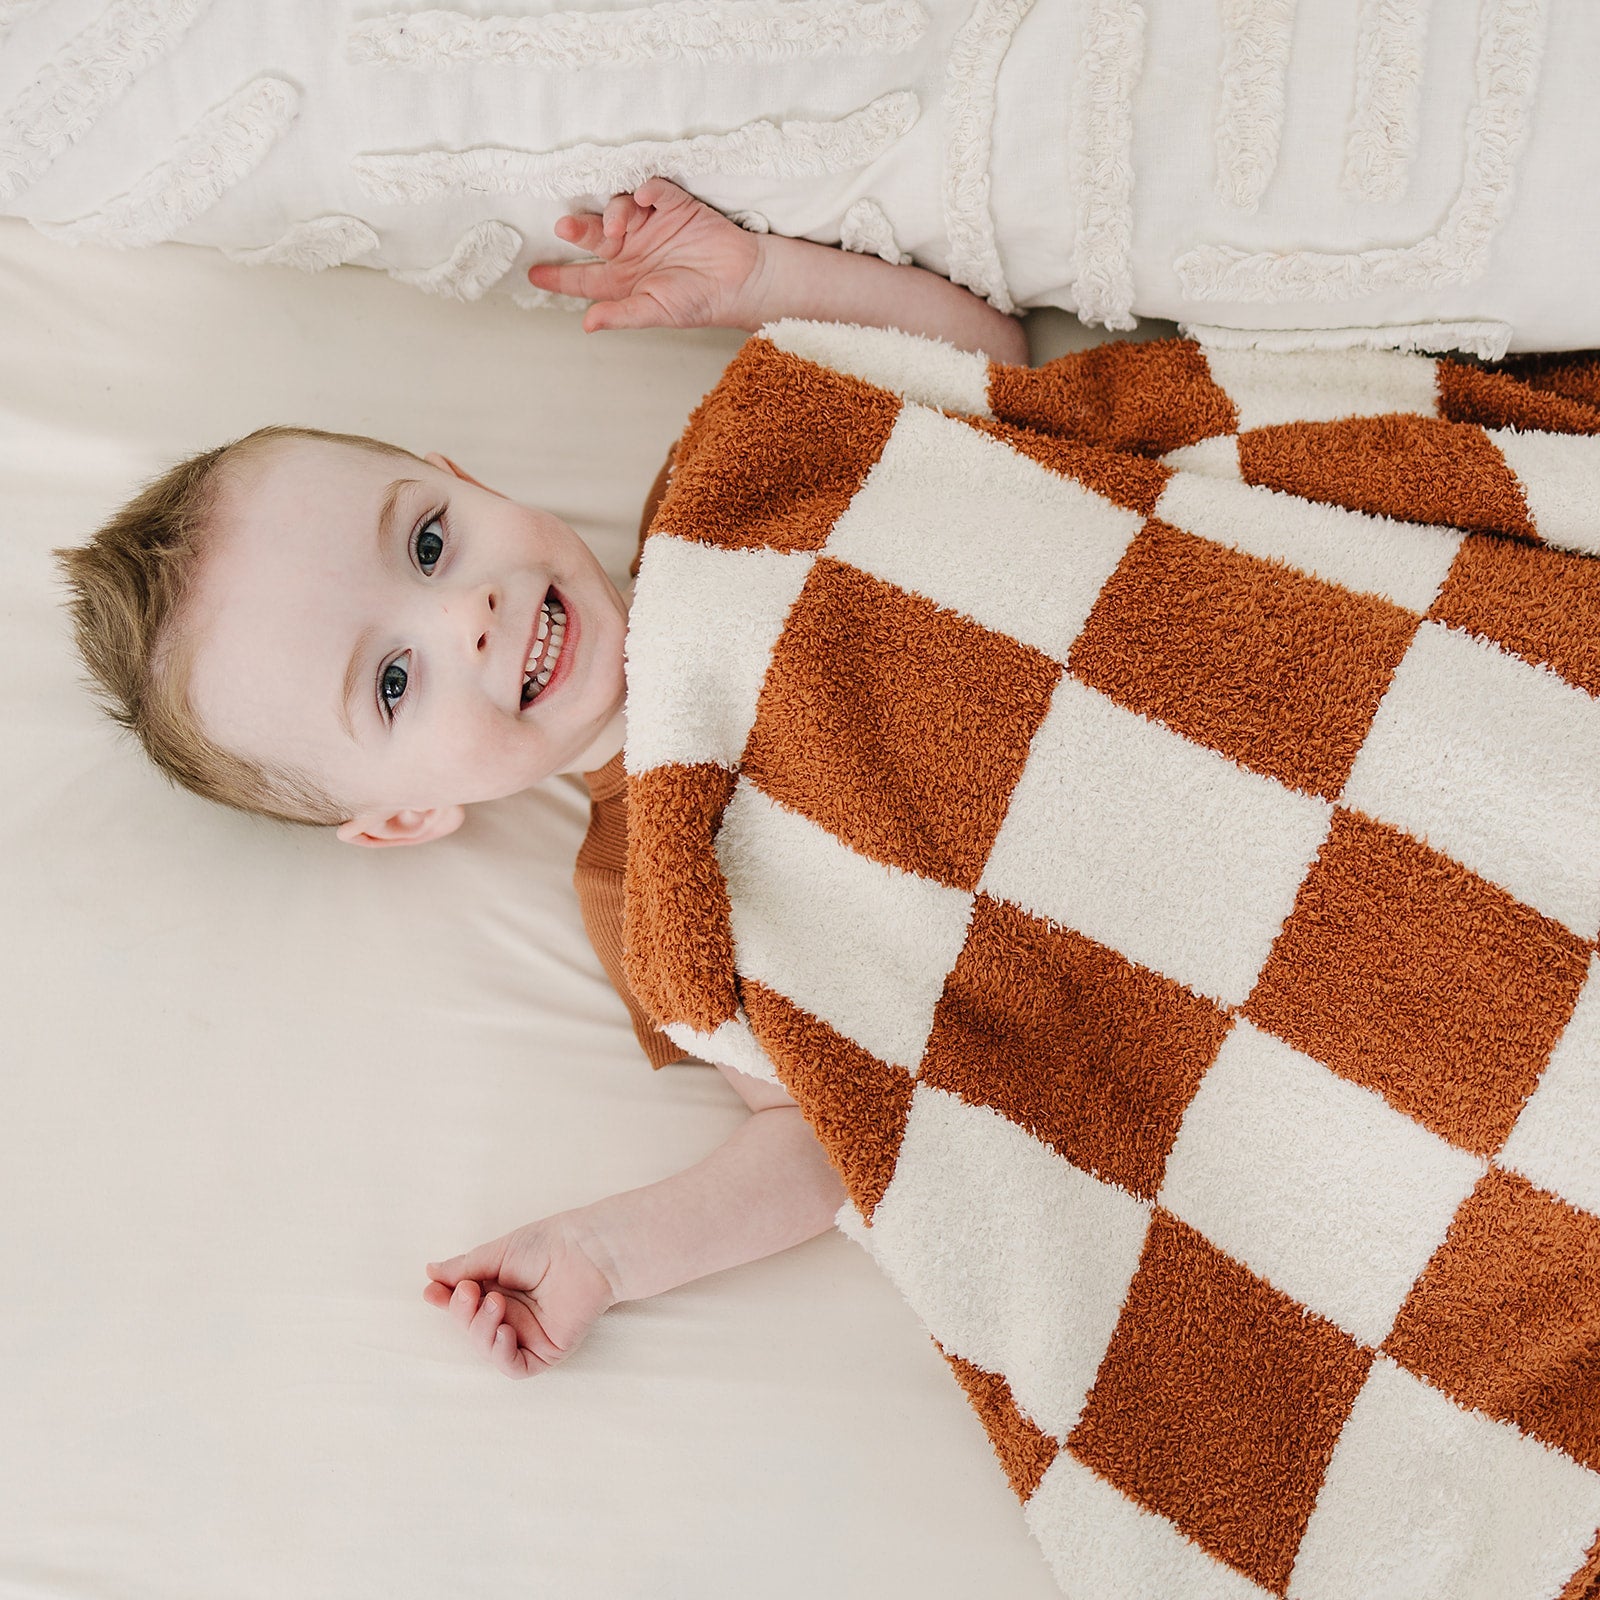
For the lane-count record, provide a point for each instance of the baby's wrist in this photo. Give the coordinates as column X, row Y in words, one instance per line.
column 759, row 299
column 588, row 1236
column 642, row 1242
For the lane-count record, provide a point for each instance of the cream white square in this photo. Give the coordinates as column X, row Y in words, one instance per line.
column 1344, row 1214
column 863, row 946
column 1157, row 847
column 1429, row 1501
column 1014, row 1258
column 957, row 516
column 925, row 370
column 1402, row 562
column 1272, row 386
column 1559, row 474
column 729, row 1044
column 1556, row 1141
column 1103, row 1544
column 692, row 689
column 1495, row 762
column 1216, row 457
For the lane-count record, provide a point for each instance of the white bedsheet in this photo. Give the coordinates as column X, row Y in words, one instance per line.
column 253, row 1079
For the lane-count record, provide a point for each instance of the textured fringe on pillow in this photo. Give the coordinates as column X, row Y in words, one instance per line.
column 1255, row 64
column 1510, row 46
column 866, row 229
column 1101, row 141
column 86, row 76
column 224, row 146
column 675, row 30
column 482, row 257
column 1384, row 128
column 979, row 46
column 1486, row 340
column 758, row 149
column 313, row 245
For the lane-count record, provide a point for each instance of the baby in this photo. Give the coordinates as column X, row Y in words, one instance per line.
column 334, row 631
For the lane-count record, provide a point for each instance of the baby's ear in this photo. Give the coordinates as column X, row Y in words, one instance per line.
column 445, row 464
column 377, row 829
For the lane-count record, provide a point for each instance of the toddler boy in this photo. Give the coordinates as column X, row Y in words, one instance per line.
column 334, row 631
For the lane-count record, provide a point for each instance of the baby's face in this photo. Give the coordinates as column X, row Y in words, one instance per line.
column 410, row 640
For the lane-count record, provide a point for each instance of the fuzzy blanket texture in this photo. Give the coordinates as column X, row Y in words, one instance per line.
column 1146, row 810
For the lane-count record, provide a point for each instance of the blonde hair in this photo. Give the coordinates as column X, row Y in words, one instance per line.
column 127, row 588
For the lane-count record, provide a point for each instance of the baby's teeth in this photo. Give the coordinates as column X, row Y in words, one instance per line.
column 552, row 626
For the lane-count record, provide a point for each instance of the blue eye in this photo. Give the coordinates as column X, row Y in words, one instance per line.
column 427, row 545
column 392, row 682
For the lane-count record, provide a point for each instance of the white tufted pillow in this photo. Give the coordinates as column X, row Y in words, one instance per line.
column 1262, row 171
column 442, row 147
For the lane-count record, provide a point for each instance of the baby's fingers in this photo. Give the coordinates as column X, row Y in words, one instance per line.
column 463, row 1304
column 510, row 1357
column 482, row 1261
column 662, row 194
column 589, row 280
column 623, row 215
column 517, row 1359
column 636, row 311
column 531, row 1348
column 486, row 1323
column 585, row 230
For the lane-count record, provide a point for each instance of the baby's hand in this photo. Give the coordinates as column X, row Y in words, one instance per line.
column 666, row 260
column 526, row 1299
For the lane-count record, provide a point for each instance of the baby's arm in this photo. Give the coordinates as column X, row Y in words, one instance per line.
column 527, row 1299
column 667, row 260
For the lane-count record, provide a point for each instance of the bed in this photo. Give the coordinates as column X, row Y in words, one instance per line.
column 254, row 1080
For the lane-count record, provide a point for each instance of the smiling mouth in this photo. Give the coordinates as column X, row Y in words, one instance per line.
column 546, row 652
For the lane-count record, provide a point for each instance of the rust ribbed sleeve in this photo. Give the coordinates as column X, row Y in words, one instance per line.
column 598, row 874
column 598, row 879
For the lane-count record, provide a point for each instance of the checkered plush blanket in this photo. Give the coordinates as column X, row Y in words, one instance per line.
column 1146, row 810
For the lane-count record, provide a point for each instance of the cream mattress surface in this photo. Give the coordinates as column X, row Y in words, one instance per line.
column 254, row 1079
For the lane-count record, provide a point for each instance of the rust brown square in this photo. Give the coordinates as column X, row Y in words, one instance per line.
column 856, row 1104
column 1416, row 469
column 1090, row 1053
column 774, row 453
column 1552, row 393
column 1506, row 1316
column 1139, row 399
column 1538, row 603
column 899, row 727
column 1134, row 482
column 1025, row 1449
column 1279, row 671
column 1584, row 1584
column 1403, row 971
column 1219, row 1403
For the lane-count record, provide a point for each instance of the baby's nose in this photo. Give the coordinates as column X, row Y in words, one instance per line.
column 474, row 614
